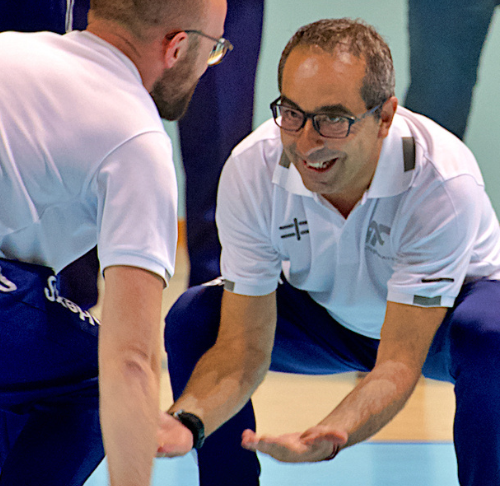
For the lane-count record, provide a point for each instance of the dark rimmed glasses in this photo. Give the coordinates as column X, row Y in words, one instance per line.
column 221, row 48
column 328, row 126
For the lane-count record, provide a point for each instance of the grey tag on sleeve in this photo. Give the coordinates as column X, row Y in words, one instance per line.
column 427, row 301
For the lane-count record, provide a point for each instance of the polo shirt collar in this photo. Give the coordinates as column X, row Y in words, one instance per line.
column 396, row 165
column 394, row 173
column 287, row 176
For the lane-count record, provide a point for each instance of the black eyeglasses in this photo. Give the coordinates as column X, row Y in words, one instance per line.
column 221, row 48
column 328, row 126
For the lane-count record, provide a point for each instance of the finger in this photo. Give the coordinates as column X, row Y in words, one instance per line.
column 252, row 442
column 285, row 448
column 172, row 450
column 249, row 435
column 249, row 439
column 272, row 448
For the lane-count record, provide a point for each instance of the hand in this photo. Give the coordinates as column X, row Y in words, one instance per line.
column 314, row 445
column 174, row 439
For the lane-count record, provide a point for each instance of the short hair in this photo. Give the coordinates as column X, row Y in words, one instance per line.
column 138, row 16
column 359, row 39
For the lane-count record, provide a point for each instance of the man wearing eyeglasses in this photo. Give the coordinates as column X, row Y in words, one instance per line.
column 356, row 236
column 85, row 161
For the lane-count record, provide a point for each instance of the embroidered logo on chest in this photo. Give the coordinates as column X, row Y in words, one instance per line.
column 377, row 233
column 296, row 229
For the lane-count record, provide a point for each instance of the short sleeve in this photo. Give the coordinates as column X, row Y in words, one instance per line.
column 249, row 263
column 434, row 241
column 137, row 205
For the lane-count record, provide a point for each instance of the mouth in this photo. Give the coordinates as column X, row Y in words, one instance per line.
column 320, row 166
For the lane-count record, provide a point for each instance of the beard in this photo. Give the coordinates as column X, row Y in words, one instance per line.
column 174, row 90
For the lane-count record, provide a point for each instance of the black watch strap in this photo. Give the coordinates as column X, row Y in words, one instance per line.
column 194, row 424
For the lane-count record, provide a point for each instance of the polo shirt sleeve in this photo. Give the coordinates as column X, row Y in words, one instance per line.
column 434, row 241
column 249, row 263
column 136, row 190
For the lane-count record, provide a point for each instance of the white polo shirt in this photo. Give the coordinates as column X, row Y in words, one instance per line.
column 84, row 157
column 423, row 226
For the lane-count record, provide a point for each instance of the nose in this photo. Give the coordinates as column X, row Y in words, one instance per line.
column 308, row 139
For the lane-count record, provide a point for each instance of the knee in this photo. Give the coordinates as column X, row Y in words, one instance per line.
column 475, row 340
column 194, row 319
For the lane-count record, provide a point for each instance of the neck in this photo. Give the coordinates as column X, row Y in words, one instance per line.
column 141, row 53
column 344, row 204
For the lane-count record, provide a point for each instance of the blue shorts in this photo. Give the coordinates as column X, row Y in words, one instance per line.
column 49, row 397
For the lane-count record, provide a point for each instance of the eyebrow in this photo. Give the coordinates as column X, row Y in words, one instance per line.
column 337, row 109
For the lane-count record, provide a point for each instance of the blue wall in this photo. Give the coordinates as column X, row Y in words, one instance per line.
column 284, row 17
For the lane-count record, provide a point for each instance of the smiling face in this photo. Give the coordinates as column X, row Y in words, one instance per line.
column 320, row 82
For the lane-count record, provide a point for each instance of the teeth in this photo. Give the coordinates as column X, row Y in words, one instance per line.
column 318, row 165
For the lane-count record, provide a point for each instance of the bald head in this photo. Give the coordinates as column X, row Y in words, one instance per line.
column 140, row 17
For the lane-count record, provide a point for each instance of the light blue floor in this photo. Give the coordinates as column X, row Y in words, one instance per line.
column 369, row 464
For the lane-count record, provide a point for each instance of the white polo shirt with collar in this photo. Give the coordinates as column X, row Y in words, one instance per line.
column 424, row 225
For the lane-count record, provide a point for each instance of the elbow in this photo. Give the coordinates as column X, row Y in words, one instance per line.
column 135, row 364
column 133, row 367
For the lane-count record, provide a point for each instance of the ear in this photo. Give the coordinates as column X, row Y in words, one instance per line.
column 387, row 113
column 174, row 48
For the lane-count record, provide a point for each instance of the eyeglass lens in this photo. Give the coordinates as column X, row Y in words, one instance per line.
column 218, row 52
column 293, row 120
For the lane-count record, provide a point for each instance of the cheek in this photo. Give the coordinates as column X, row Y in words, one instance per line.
column 288, row 143
column 362, row 145
column 203, row 66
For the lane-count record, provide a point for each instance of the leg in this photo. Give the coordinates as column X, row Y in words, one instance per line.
column 49, row 380
column 219, row 116
column 468, row 343
column 307, row 341
column 446, row 39
column 10, row 427
column 60, row 445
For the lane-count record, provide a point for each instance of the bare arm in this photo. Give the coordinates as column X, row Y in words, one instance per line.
column 227, row 375
column 129, row 372
column 406, row 337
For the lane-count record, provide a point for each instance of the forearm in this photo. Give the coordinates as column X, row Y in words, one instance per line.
column 222, row 383
column 374, row 402
column 129, row 373
column 229, row 372
column 129, row 417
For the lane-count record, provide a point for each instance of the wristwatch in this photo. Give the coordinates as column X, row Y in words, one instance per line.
column 194, row 424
